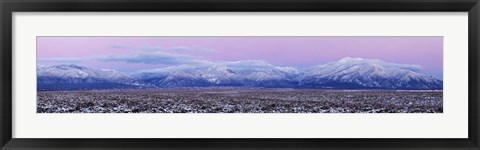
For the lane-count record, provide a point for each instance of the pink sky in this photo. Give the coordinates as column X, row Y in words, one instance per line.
column 282, row 51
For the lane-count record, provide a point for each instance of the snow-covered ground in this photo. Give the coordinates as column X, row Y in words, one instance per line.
column 237, row 100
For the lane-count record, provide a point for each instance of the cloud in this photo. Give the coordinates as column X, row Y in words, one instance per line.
column 180, row 48
column 151, row 58
column 119, row 46
column 192, row 48
column 61, row 59
column 151, row 47
column 141, row 47
column 161, row 48
column 208, row 49
column 144, row 58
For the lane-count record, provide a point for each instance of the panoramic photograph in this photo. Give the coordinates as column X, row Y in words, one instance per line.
column 239, row 74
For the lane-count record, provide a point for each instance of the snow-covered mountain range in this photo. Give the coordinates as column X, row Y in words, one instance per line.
column 352, row 73
column 347, row 73
column 70, row 77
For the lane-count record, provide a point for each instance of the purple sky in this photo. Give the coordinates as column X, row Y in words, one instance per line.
column 133, row 53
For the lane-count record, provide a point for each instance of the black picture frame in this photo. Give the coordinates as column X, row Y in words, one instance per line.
column 7, row 7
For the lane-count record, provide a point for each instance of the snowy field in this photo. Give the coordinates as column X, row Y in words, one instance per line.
column 239, row 101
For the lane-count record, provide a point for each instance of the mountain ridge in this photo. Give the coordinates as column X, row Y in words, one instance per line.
column 346, row 73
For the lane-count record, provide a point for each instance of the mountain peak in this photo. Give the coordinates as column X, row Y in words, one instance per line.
column 360, row 60
column 345, row 59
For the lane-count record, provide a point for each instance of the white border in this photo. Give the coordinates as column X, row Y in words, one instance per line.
column 450, row 124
